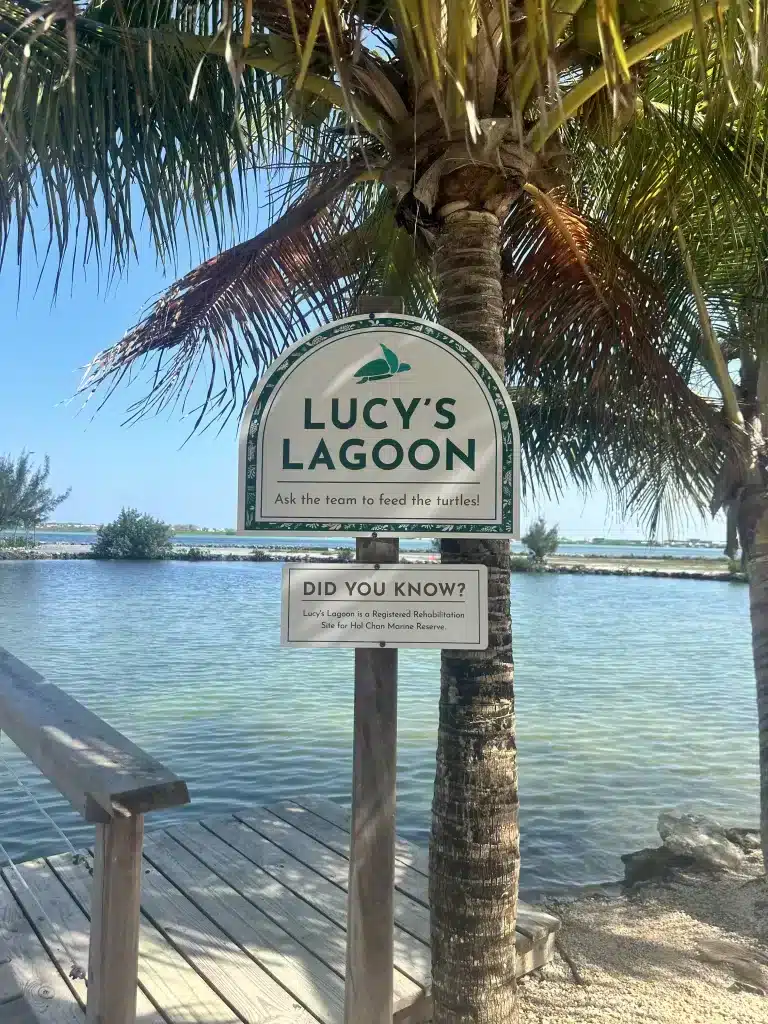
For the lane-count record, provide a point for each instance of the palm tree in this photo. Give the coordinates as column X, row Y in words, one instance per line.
column 706, row 246
column 409, row 147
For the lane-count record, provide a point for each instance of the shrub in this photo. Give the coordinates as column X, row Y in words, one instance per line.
column 541, row 541
column 133, row 535
column 259, row 555
column 520, row 563
column 195, row 555
column 345, row 555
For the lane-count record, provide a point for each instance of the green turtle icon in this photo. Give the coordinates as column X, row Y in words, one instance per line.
column 381, row 369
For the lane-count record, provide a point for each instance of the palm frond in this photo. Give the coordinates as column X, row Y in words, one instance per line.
column 587, row 338
column 237, row 310
column 91, row 154
column 651, row 465
column 147, row 122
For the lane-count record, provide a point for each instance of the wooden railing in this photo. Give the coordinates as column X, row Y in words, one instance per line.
column 112, row 783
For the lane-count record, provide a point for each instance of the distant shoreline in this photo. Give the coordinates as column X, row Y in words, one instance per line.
column 664, row 567
column 603, row 542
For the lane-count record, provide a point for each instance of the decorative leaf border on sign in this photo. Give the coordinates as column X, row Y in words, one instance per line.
column 508, row 525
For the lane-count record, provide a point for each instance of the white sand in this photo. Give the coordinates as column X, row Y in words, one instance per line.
column 645, row 955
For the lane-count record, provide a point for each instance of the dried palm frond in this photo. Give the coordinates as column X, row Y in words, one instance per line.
column 239, row 308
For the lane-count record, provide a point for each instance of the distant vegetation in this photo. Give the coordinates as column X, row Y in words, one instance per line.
column 177, row 528
column 541, row 541
column 133, row 536
column 22, row 540
column 26, row 500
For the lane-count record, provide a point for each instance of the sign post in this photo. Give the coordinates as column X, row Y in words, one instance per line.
column 371, row 893
column 368, row 985
column 382, row 425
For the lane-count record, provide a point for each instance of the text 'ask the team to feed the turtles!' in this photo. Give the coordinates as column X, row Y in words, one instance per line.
column 401, row 500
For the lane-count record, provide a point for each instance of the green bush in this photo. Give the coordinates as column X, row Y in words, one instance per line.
column 259, row 555
column 345, row 555
column 133, row 535
column 520, row 563
column 195, row 555
column 541, row 541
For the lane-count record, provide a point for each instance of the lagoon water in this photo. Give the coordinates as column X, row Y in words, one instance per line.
column 633, row 695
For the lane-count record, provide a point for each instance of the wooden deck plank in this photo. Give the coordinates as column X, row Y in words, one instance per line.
column 9, row 986
column 164, row 975
column 409, row 854
column 243, row 920
column 411, row 955
column 43, row 988
column 532, row 923
column 61, row 925
column 409, row 915
column 17, row 1012
column 300, row 920
column 536, row 924
column 411, row 883
column 230, row 972
column 308, row 979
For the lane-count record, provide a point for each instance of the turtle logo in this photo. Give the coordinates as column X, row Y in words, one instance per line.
column 381, row 369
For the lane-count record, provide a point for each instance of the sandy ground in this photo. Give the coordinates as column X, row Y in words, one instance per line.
column 647, row 956
column 716, row 568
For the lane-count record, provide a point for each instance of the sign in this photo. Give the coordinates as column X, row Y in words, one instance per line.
column 399, row 606
column 380, row 424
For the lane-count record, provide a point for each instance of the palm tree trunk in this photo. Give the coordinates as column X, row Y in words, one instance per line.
column 758, row 610
column 474, row 848
column 750, row 491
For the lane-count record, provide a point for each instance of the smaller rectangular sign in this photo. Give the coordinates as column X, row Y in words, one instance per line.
column 361, row 605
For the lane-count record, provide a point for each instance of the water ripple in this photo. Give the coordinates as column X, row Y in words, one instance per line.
column 632, row 695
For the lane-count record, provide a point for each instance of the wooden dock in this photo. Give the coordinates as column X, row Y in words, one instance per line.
column 243, row 919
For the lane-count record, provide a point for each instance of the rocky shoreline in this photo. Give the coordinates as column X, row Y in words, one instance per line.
column 584, row 565
column 685, row 941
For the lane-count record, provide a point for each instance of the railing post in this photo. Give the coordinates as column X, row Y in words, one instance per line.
column 113, row 956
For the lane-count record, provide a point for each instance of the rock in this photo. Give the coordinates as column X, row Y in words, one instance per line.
column 653, row 864
column 702, row 839
column 749, row 965
column 747, row 839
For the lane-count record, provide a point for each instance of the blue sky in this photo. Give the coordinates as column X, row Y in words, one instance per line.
column 43, row 349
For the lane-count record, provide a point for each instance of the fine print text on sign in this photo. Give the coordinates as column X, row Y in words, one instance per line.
column 387, row 424
column 395, row 606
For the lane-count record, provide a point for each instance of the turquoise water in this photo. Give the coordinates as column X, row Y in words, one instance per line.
column 632, row 695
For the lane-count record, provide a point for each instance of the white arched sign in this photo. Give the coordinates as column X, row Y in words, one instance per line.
column 380, row 424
